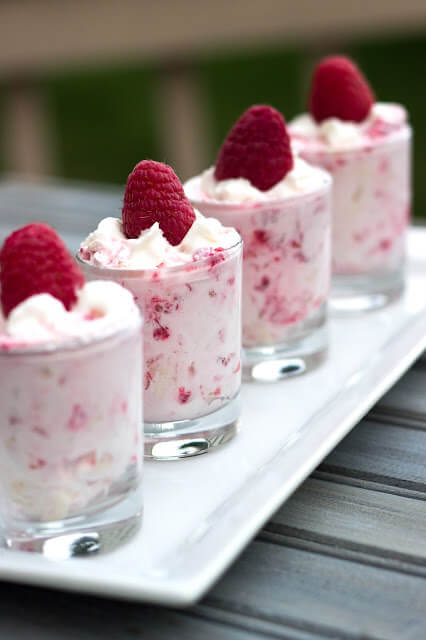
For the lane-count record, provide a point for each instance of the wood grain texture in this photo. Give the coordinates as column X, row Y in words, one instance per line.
column 383, row 525
column 329, row 596
column 382, row 453
column 40, row 614
column 406, row 401
column 74, row 210
column 254, row 625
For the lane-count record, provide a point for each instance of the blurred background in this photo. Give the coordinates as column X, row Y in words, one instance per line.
column 88, row 88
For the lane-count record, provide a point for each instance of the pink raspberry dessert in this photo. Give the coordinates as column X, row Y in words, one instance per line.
column 281, row 207
column 366, row 146
column 184, row 271
column 70, row 407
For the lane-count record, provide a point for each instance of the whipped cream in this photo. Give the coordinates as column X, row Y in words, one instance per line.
column 383, row 120
column 108, row 246
column 102, row 308
column 302, row 179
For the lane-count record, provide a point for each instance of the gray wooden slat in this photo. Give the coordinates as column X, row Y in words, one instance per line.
column 384, row 525
column 254, row 624
column 384, row 453
column 69, row 209
column 334, row 597
column 37, row 614
column 72, row 211
column 407, row 399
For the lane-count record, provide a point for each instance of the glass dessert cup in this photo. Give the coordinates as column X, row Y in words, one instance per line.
column 286, row 278
column 192, row 345
column 71, row 444
column 371, row 213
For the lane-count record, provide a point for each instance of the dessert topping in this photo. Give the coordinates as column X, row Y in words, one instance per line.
column 153, row 194
column 35, row 260
column 257, row 148
column 339, row 90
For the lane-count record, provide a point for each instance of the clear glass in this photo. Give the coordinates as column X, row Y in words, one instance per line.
column 371, row 213
column 71, row 445
column 192, row 350
column 286, row 278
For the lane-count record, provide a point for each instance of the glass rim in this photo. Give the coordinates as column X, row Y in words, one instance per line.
column 196, row 264
column 71, row 344
column 260, row 204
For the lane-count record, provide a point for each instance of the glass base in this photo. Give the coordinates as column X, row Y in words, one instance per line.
column 365, row 292
column 293, row 358
column 82, row 535
column 187, row 438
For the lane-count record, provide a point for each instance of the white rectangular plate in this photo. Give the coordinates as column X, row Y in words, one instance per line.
column 201, row 512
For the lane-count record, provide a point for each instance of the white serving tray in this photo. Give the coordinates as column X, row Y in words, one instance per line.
column 201, row 512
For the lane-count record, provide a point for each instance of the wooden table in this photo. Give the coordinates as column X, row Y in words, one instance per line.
column 344, row 558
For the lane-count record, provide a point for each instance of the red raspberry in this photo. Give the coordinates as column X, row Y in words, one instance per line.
column 35, row 260
column 257, row 148
column 154, row 193
column 339, row 90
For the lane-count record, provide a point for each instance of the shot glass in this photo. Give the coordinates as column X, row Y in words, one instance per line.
column 371, row 213
column 286, row 278
column 71, row 444
column 192, row 345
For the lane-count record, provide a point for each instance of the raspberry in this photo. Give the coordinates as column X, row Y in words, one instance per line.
column 339, row 90
column 161, row 333
column 35, row 260
column 154, row 193
column 257, row 148
column 184, row 395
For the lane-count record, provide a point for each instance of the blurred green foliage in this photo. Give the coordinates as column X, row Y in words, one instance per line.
column 396, row 71
column 105, row 121
column 232, row 84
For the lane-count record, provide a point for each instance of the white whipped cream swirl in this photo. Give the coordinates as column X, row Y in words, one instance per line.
column 340, row 134
column 102, row 308
column 302, row 179
column 108, row 246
